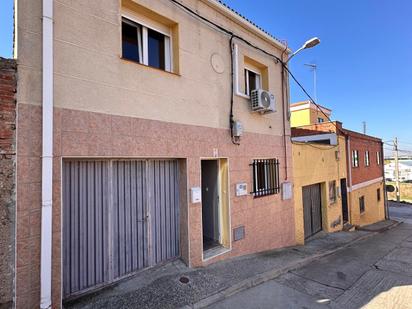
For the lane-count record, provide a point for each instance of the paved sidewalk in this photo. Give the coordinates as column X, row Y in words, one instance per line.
column 160, row 287
column 375, row 272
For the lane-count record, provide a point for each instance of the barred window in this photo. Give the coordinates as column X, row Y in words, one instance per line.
column 265, row 177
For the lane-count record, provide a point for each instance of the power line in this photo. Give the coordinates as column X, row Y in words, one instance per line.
column 233, row 35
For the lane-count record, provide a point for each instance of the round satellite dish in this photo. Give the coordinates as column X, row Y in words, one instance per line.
column 217, row 63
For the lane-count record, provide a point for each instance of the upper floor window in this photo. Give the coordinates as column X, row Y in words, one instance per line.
column 378, row 158
column 367, row 161
column 320, row 120
column 252, row 81
column 355, row 158
column 145, row 45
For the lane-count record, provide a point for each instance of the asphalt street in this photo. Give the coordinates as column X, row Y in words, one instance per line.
column 373, row 273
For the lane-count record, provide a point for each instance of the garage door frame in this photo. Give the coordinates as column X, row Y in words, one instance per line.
column 150, row 189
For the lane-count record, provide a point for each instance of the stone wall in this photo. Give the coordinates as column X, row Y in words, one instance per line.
column 8, row 77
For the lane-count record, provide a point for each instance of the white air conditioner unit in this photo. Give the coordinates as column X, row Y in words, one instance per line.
column 262, row 101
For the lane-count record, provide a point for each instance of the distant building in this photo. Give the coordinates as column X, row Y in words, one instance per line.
column 319, row 147
column 405, row 170
column 306, row 113
column 319, row 168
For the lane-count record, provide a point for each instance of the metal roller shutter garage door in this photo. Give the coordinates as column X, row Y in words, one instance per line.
column 119, row 216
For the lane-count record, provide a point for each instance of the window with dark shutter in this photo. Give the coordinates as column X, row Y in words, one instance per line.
column 362, row 204
column 265, row 177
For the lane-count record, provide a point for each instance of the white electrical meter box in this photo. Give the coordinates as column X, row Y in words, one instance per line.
column 237, row 129
column 286, row 191
column 196, row 195
column 241, row 189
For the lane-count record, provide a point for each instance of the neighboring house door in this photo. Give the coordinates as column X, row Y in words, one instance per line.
column 119, row 216
column 312, row 212
column 344, row 191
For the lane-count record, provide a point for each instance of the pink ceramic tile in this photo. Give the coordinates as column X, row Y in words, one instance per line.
column 100, row 123
column 122, row 125
column 75, row 121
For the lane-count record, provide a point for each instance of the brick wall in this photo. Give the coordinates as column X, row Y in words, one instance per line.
column 364, row 173
column 8, row 76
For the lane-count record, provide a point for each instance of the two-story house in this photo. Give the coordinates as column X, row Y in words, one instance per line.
column 360, row 188
column 146, row 131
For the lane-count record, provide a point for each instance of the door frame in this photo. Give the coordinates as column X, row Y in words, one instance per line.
column 321, row 210
column 345, row 189
column 225, row 222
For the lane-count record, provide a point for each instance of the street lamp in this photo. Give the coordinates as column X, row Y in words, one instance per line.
column 308, row 44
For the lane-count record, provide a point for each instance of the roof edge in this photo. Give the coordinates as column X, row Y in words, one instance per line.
column 246, row 23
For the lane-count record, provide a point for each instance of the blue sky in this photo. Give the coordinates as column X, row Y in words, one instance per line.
column 364, row 59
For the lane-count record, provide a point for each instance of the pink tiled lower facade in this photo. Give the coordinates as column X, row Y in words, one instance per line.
column 268, row 221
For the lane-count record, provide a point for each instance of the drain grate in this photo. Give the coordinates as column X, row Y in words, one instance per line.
column 184, row 280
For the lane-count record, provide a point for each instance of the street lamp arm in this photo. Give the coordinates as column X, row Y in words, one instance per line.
column 308, row 44
column 295, row 53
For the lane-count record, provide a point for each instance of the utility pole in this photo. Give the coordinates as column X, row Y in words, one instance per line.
column 395, row 150
column 313, row 67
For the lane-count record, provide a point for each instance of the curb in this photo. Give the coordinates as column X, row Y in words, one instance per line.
column 394, row 224
column 274, row 273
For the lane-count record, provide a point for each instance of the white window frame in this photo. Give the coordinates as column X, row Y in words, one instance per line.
column 144, row 53
column 378, row 157
column 355, row 158
column 367, row 159
column 258, row 80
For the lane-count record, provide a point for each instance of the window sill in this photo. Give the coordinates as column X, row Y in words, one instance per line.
column 242, row 95
column 149, row 67
column 266, row 195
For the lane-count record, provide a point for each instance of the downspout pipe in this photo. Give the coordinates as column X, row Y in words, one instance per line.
column 385, row 193
column 47, row 157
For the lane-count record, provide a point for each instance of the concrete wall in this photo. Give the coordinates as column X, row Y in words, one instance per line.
column 300, row 118
column 306, row 117
column 374, row 209
column 8, row 81
column 323, row 167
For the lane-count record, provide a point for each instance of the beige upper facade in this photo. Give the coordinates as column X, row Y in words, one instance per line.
column 90, row 74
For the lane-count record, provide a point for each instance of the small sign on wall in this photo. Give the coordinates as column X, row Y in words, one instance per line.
column 196, row 195
column 286, row 191
column 241, row 189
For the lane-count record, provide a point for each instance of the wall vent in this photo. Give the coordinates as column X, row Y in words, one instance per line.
column 239, row 233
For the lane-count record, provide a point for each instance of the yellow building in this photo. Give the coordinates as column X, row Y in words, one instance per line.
column 319, row 170
column 306, row 113
column 360, row 176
